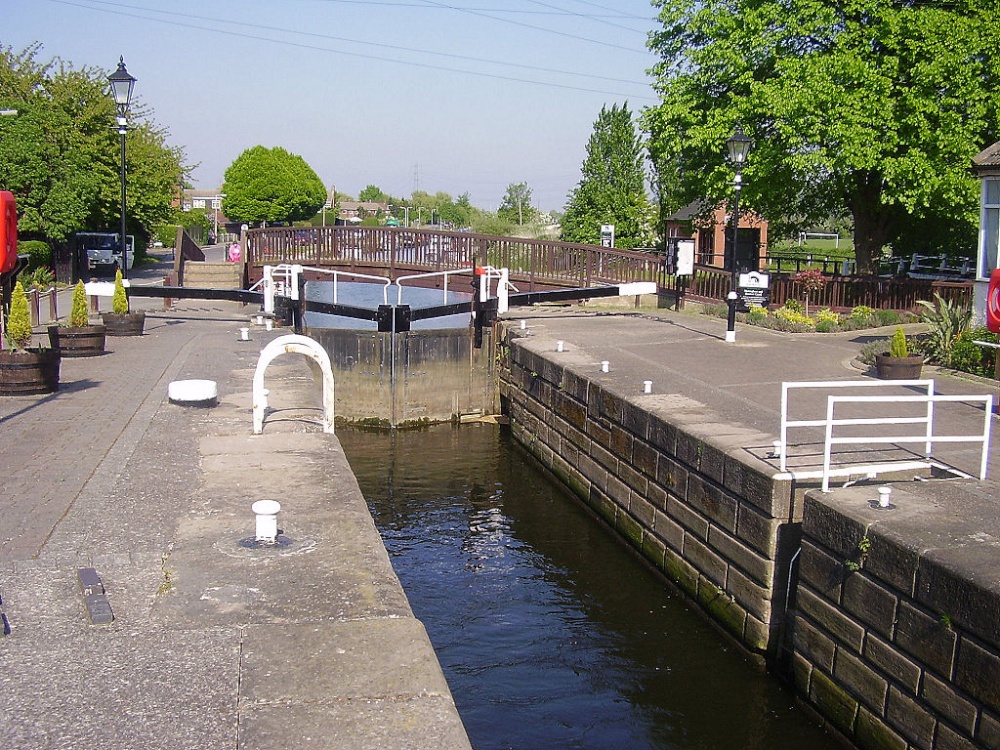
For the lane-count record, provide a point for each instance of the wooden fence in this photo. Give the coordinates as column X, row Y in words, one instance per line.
column 540, row 264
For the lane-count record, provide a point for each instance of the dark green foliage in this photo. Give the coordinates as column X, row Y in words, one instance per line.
column 61, row 156
column 268, row 185
column 970, row 357
column 38, row 278
column 516, row 208
column 868, row 108
column 39, row 253
column 945, row 321
column 612, row 189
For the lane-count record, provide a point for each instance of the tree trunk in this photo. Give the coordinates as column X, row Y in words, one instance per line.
column 874, row 222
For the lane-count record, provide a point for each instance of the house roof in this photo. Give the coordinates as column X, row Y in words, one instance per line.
column 987, row 161
column 687, row 213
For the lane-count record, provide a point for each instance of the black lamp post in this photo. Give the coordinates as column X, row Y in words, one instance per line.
column 121, row 90
column 739, row 146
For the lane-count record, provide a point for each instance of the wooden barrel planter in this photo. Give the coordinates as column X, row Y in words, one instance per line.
column 898, row 368
column 29, row 372
column 82, row 341
column 124, row 324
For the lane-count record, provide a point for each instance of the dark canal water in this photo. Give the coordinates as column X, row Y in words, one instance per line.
column 550, row 632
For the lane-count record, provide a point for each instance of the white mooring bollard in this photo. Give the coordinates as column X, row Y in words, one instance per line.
column 605, row 366
column 647, row 386
column 884, row 497
column 267, row 520
column 244, row 334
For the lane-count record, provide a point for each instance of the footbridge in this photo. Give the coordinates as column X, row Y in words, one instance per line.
column 534, row 265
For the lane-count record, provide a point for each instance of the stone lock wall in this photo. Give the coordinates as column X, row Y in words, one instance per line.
column 891, row 617
column 897, row 622
column 684, row 493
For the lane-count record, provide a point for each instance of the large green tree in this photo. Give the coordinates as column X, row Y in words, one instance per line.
column 59, row 154
column 516, row 205
column 867, row 108
column 612, row 189
column 268, row 185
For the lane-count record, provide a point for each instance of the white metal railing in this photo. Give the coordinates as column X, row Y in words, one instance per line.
column 786, row 423
column 429, row 274
column 283, row 280
column 928, row 437
column 925, row 435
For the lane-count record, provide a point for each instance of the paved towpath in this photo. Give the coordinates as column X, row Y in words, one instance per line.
column 214, row 644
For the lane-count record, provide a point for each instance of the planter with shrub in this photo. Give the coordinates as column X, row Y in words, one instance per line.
column 898, row 363
column 25, row 370
column 121, row 322
column 78, row 338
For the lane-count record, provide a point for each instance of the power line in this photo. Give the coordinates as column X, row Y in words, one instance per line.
column 122, row 9
column 536, row 28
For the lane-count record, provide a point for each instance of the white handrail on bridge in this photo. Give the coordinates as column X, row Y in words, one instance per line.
column 429, row 274
column 786, row 423
column 289, row 273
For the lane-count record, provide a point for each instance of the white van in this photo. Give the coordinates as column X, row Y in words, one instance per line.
column 103, row 250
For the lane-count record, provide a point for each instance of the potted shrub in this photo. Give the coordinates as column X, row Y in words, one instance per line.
column 121, row 322
column 898, row 363
column 78, row 338
column 25, row 370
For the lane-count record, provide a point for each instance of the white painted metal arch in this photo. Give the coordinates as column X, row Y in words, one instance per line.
column 292, row 344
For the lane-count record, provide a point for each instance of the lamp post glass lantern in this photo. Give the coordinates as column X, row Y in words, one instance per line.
column 122, row 85
column 739, row 147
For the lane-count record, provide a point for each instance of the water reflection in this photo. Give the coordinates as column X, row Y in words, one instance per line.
column 551, row 633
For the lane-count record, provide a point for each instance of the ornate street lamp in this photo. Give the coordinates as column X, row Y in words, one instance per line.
column 739, row 146
column 121, row 91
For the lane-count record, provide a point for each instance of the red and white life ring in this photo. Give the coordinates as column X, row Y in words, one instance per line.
column 8, row 231
column 993, row 302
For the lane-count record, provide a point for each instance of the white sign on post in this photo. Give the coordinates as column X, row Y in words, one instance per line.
column 607, row 235
column 685, row 258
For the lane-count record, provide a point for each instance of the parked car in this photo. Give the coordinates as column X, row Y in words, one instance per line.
column 103, row 251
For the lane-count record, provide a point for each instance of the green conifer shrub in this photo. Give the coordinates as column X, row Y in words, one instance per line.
column 79, row 317
column 18, row 330
column 119, row 303
column 897, row 346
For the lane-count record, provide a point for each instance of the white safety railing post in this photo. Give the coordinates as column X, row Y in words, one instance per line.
column 503, row 291
column 269, row 290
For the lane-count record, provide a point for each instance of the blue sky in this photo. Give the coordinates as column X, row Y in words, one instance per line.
column 452, row 95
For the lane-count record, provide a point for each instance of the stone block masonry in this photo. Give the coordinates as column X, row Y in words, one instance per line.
column 888, row 619
column 679, row 486
column 897, row 618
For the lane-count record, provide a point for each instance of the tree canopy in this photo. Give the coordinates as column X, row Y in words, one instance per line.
column 516, row 205
column 268, row 185
column 60, row 154
column 612, row 189
column 868, row 108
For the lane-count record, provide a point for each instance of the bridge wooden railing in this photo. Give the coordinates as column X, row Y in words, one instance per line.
column 540, row 264
column 840, row 293
column 532, row 263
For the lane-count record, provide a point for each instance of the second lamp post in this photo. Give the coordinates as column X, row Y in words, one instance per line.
column 739, row 146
